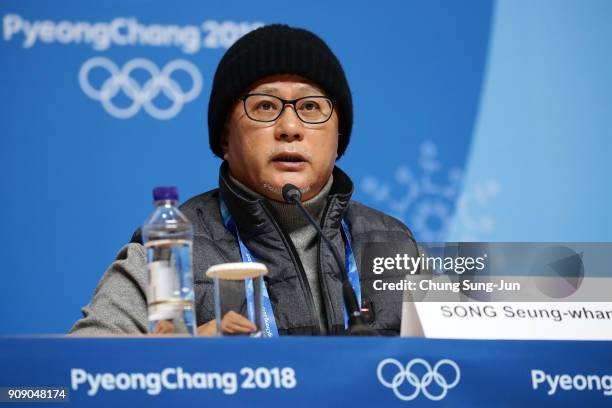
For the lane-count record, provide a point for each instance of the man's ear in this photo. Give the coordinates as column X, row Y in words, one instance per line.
column 225, row 142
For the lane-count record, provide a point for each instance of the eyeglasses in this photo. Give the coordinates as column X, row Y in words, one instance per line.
column 267, row 108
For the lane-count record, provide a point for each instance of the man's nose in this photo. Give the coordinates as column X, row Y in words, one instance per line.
column 288, row 126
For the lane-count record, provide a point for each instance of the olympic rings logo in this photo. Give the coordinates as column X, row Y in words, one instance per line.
column 422, row 384
column 141, row 96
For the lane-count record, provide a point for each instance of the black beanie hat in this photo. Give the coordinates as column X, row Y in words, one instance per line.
column 277, row 49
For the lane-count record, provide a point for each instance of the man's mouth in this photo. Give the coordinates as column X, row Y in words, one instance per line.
column 289, row 161
column 290, row 157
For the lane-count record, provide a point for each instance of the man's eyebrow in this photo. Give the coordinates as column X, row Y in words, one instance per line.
column 266, row 89
column 301, row 87
column 307, row 87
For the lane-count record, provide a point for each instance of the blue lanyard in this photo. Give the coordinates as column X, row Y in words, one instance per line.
column 269, row 321
column 351, row 268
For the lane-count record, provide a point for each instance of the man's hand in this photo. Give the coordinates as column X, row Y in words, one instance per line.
column 163, row 327
column 232, row 323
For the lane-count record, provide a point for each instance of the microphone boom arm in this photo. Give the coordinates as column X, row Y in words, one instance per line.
column 357, row 327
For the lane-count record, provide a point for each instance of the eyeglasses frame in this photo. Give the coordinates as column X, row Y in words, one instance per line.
column 286, row 102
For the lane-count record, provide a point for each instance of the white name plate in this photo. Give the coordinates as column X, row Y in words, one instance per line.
column 509, row 320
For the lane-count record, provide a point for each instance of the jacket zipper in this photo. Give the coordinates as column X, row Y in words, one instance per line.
column 324, row 292
column 301, row 273
column 329, row 312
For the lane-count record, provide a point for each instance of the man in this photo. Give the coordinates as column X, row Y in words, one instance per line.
column 280, row 112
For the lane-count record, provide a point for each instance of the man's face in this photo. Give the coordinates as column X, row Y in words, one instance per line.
column 267, row 155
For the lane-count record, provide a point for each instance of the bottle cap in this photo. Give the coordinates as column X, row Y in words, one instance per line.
column 165, row 193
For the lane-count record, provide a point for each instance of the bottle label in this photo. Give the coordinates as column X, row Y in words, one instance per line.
column 164, row 291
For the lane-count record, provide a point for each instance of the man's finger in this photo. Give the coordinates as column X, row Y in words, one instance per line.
column 237, row 328
column 239, row 319
column 237, row 322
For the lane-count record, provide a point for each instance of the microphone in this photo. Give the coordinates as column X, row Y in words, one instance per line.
column 357, row 327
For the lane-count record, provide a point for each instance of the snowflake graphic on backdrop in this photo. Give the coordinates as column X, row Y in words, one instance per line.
column 428, row 196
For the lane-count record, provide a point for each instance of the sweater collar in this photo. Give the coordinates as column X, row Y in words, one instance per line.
column 253, row 214
column 289, row 216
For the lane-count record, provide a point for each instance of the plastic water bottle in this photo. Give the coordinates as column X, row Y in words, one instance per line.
column 168, row 239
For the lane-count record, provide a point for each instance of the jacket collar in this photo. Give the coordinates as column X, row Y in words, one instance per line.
column 253, row 216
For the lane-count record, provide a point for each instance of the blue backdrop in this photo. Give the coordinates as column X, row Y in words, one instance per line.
column 474, row 120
